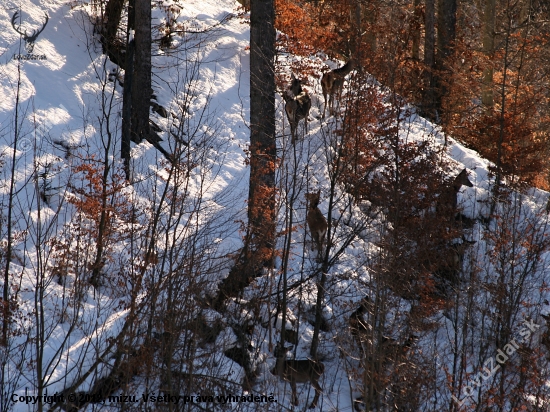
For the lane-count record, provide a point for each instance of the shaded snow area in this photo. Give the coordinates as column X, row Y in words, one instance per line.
column 106, row 275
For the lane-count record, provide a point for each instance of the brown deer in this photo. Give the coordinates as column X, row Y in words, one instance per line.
column 29, row 40
column 316, row 221
column 332, row 83
column 447, row 202
column 297, row 106
column 298, row 371
column 360, row 329
column 295, row 85
column 451, row 260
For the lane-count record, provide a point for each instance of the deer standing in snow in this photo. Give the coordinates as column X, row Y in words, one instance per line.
column 332, row 83
column 316, row 221
column 297, row 106
column 451, row 260
column 361, row 331
column 298, row 371
column 447, row 202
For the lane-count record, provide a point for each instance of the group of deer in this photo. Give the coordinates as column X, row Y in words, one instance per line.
column 304, row 370
column 297, row 106
column 298, row 102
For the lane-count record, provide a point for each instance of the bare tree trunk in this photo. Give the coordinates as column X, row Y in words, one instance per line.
column 141, row 84
column 111, row 46
column 263, row 154
column 6, row 298
column 259, row 244
column 446, row 34
column 416, row 31
column 488, row 48
column 357, row 50
column 428, row 104
column 127, row 93
column 369, row 17
column 446, row 29
column 503, row 109
column 113, row 13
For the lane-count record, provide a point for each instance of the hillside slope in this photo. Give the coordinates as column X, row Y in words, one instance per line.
column 162, row 243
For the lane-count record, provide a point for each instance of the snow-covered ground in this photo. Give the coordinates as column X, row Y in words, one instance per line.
column 52, row 121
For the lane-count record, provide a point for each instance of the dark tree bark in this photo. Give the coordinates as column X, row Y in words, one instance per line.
column 141, row 81
column 488, row 49
column 258, row 251
column 428, row 103
column 446, row 28
column 113, row 14
column 127, row 93
column 263, row 154
column 112, row 46
column 446, row 34
column 416, row 34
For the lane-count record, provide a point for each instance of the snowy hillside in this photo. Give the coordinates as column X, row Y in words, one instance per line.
column 110, row 283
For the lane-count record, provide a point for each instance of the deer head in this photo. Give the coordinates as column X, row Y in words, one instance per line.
column 462, row 180
column 295, row 85
column 297, row 106
column 447, row 202
column 29, row 40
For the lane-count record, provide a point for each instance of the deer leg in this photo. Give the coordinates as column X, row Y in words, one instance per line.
column 325, row 106
column 315, row 239
column 338, row 93
column 318, row 391
column 321, row 244
column 294, row 394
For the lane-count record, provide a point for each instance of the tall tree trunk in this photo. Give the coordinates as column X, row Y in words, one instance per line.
column 113, row 14
column 263, row 154
column 416, row 30
column 127, row 93
column 488, row 48
column 428, row 103
column 446, row 29
column 111, row 45
column 369, row 17
column 259, row 245
column 446, row 34
column 141, row 82
column 357, row 49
